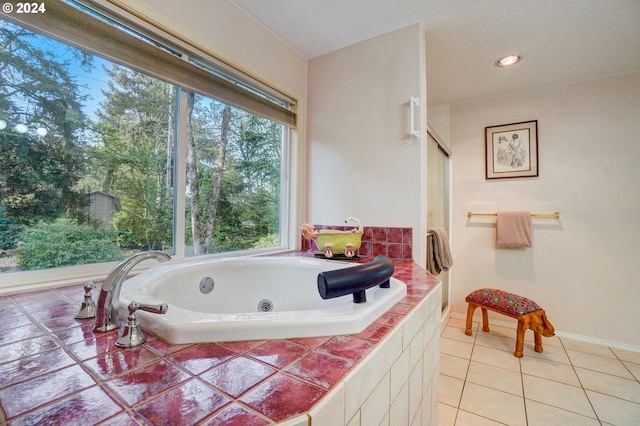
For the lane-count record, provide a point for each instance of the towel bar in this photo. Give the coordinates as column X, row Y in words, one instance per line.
column 554, row 215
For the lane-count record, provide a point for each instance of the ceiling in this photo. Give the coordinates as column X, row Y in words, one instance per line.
column 562, row 41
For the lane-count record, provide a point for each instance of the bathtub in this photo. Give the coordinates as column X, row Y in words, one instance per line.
column 250, row 298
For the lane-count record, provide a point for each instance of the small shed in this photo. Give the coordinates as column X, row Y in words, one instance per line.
column 101, row 206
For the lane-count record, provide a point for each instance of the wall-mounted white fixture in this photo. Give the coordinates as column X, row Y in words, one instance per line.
column 413, row 103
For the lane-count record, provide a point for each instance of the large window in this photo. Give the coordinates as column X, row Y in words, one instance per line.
column 100, row 158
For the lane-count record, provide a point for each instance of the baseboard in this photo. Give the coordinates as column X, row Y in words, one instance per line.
column 597, row 341
column 559, row 333
column 443, row 319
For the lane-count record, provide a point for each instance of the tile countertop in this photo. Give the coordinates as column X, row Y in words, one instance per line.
column 55, row 370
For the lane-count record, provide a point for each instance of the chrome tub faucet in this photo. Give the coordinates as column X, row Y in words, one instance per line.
column 108, row 306
column 132, row 334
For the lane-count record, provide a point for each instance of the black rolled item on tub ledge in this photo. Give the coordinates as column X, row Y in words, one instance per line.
column 356, row 280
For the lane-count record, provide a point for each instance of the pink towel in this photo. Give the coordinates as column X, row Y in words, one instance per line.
column 513, row 230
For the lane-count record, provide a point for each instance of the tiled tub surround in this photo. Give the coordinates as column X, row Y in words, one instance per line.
column 393, row 242
column 55, row 370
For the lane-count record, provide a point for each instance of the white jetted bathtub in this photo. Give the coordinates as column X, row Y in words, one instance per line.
column 251, row 298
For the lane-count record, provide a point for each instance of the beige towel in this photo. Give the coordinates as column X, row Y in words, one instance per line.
column 438, row 252
column 513, row 230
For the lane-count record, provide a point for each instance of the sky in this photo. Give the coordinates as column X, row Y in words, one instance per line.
column 92, row 82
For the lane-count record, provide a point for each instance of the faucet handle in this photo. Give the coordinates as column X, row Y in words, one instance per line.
column 154, row 309
column 133, row 335
column 88, row 307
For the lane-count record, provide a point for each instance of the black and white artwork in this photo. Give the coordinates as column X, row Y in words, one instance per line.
column 511, row 150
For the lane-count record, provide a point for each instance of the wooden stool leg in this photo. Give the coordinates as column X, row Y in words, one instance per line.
column 540, row 326
column 538, row 341
column 485, row 320
column 470, row 309
column 520, row 338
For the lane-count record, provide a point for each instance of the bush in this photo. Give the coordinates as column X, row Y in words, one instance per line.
column 65, row 243
column 270, row 240
column 9, row 232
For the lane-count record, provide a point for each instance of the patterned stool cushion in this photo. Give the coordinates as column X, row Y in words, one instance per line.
column 501, row 300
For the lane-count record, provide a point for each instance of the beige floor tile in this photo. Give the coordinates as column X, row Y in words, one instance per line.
column 633, row 368
column 495, row 357
column 455, row 348
column 454, row 366
column 557, row 371
column 550, row 353
column 496, row 341
column 556, row 394
column 529, row 336
column 469, row 419
column 615, row 411
column 545, row 415
column 590, row 348
column 493, row 404
column 546, row 341
column 450, row 390
column 446, row 415
column 599, row 363
column 495, row 377
column 628, row 356
column 460, row 323
column 569, row 383
column 609, row 385
column 456, row 333
column 503, row 330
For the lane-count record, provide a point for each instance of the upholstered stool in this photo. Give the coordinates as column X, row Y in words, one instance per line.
column 528, row 313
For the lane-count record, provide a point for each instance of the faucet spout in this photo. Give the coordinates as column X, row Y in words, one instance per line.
column 108, row 306
column 353, row 219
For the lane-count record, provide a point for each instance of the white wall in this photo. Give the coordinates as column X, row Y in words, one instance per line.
column 229, row 33
column 361, row 161
column 584, row 269
column 438, row 121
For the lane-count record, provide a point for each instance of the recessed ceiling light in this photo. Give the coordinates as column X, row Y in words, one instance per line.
column 508, row 60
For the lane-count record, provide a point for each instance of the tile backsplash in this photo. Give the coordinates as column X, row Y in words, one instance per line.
column 393, row 242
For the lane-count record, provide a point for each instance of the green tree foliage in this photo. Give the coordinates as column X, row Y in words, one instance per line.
column 133, row 159
column 37, row 174
column 258, row 153
column 9, row 231
column 234, row 177
column 127, row 151
column 32, row 175
column 65, row 243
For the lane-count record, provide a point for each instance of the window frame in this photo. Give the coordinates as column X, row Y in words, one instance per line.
column 20, row 281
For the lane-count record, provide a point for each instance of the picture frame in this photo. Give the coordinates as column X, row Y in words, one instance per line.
column 511, row 150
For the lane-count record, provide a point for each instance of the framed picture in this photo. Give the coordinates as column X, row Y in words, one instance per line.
column 511, row 150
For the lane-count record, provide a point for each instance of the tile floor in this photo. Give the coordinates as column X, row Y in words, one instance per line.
column 570, row 383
